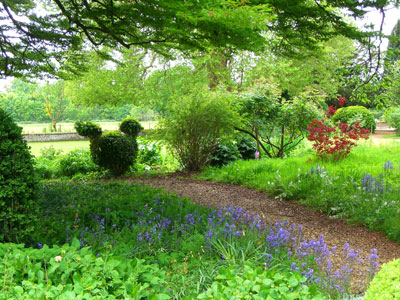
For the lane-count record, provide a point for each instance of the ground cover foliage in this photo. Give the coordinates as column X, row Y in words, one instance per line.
column 363, row 188
column 117, row 240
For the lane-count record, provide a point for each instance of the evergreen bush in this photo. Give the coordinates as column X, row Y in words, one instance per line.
column 18, row 182
column 115, row 151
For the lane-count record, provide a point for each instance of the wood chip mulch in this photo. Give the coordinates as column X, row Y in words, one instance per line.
column 336, row 232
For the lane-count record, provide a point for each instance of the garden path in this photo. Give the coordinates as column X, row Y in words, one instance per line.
column 336, row 232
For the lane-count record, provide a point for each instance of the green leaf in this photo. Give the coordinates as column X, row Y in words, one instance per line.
column 293, row 282
column 75, row 244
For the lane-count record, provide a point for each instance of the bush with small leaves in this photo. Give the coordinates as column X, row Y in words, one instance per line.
column 115, row 151
column 386, row 284
column 88, row 129
column 18, row 183
column 351, row 114
column 195, row 124
column 131, row 127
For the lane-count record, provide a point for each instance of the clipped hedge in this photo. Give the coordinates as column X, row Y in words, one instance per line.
column 386, row 284
column 352, row 114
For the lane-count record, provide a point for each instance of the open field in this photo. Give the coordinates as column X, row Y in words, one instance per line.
column 66, row 146
column 69, row 127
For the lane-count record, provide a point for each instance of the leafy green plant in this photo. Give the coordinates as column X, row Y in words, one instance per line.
column 75, row 162
column 18, row 182
column 246, row 146
column 386, row 284
column 195, row 124
column 351, row 114
column 149, row 153
column 46, row 165
column 225, row 153
column 257, row 283
column 392, row 116
column 69, row 272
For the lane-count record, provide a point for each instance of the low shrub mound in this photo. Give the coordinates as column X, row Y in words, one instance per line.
column 351, row 114
column 18, row 183
column 386, row 284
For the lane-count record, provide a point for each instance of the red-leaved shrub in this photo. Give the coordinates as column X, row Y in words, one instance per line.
column 331, row 111
column 335, row 142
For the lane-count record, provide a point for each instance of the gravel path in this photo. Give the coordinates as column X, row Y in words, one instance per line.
column 336, row 232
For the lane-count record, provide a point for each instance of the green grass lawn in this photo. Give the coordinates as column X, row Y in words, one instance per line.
column 64, row 146
column 363, row 188
column 69, row 127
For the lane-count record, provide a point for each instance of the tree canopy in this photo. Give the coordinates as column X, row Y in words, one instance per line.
column 33, row 42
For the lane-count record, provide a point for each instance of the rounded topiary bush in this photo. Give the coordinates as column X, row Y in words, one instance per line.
column 130, row 127
column 386, row 284
column 18, row 182
column 352, row 114
column 116, row 152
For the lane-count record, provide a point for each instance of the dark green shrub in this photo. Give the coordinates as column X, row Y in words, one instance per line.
column 131, row 127
column 18, row 183
column 88, row 129
column 75, row 162
column 352, row 114
column 225, row 153
column 114, row 151
column 247, row 147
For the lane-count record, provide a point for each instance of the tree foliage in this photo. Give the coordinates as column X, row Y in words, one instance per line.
column 37, row 43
